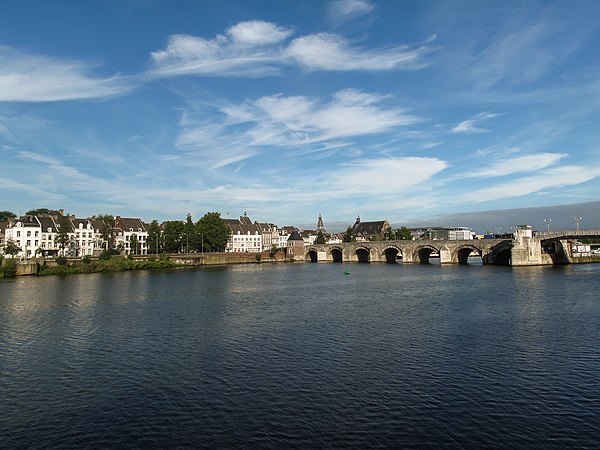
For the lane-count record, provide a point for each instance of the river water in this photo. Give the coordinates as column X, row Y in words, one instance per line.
column 301, row 355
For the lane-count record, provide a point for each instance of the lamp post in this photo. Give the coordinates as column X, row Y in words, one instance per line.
column 202, row 236
column 577, row 219
column 548, row 223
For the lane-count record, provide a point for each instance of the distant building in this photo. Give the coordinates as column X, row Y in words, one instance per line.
column 131, row 236
column 365, row 231
column 245, row 236
column 442, row 233
column 295, row 246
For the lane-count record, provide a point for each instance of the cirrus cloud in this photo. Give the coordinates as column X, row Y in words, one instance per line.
column 28, row 77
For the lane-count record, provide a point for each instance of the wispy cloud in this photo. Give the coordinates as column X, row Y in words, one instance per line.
column 28, row 77
column 470, row 125
column 312, row 124
column 331, row 52
column 257, row 49
column 386, row 176
column 341, row 11
column 551, row 178
column 248, row 49
column 520, row 164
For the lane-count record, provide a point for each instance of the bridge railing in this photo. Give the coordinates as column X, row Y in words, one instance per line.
column 566, row 233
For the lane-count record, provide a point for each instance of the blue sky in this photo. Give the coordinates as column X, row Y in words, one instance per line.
column 398, row 110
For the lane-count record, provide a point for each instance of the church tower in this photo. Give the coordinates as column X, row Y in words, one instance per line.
column 320, row 226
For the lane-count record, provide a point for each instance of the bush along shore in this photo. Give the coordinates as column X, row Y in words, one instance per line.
column 105, row 264
column 114, row 263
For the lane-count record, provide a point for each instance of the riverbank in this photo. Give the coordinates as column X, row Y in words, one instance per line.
column 63, row 266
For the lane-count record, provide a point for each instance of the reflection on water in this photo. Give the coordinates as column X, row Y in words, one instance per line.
column 303, row 355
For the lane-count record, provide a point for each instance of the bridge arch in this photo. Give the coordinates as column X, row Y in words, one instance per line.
column 363, row 254
column 502, row 254
column 422, row 253
column 312, row 255
column 461, row 254
column 391, row 254
column 337, row 255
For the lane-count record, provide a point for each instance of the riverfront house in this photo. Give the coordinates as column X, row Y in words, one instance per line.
column 38, row 235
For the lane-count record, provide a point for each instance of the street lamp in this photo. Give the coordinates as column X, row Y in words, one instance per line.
column 577, row 219
column 548, row 223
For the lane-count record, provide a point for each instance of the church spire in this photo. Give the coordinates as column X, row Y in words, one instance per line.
column 320, row 226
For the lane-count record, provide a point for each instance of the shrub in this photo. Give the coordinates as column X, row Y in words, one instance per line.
column 257, row 257
column 61, row 261
column 8, row 268
column 85, row 259
column 105, row 255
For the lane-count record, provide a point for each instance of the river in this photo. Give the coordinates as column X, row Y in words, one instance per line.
column 302, row 355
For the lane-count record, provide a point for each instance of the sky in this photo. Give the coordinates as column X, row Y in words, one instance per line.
column 397, row 110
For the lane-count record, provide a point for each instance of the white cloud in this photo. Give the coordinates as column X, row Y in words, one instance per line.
column 35, row 78
column 387, row 176
column 341, row 11
column 520, row 164
column 257, row 48
column 257, row 33
column 299, row 121
column 551, row 178
column 246, row 49
column 469, row 126
column 330, row 52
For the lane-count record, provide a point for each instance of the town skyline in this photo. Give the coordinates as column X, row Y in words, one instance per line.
column 407, row 111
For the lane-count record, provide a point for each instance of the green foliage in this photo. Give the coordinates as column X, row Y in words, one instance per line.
column 61, row 261
column 8, row 268
column 38, row 212
column 403, row 234
column 59, row 270
column 107, row 225
column 320, row 238
column 134, row 245
column 273, row 251
column 6, row 215
column 62, row 237
column 213, row 232
column 257, row 257
column 172, row 235
column 105, row 255
column 349, row 235
column 86, row 259
column 154, row 238
column 190, row 239
column 11, row 248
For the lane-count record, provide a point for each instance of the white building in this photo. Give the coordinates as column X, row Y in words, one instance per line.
column 131, row 236
column 245, row 236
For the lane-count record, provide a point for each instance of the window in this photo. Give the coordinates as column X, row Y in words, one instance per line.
column 28, row 233
column 18, row 234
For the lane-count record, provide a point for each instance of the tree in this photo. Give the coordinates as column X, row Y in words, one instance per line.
column 38, row 212
column 190, row 233
column 7, row 215
column 107, row 226
column 213, row 231
column 11, row 248
column 134, row 244
column 62, row 237
column 320, row 238
column 154, row 238
column 403, row 234
column 172, row 235
column 349, row 235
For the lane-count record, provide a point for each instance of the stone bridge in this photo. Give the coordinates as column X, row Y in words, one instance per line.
column 491, row 251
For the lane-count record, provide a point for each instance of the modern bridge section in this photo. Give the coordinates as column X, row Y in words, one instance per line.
column 491, row 251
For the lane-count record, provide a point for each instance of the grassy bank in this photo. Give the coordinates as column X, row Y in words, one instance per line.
column 113, row 264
